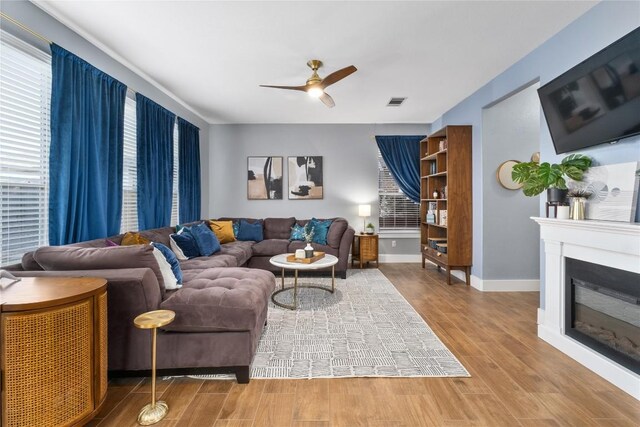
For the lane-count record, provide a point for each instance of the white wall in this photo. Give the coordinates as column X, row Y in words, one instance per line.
column 349, row 161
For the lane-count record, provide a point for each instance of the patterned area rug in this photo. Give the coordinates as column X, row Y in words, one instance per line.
column 365, row 329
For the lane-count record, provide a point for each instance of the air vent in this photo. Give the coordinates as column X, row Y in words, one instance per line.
column 395, row 102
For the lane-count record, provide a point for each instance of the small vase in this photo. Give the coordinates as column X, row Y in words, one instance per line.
column 577, row 208
column 308, row 251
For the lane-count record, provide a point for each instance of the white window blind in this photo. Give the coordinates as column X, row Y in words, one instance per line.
column 130, row 170
column 25, row 88
column 174, row 201
column 397, row 212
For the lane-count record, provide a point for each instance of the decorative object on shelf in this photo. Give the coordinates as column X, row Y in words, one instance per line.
column 435, row 194
column 578, row 199
column 433, row 168
column 562, row 212
column 364, row 211
column 443, row 193
column 153, row 412
column 370, row 229
column 614, row 190
column 442, row 145
column 264, row 178
column 431, row 217
column 535, row 157
column 503, row 175
column 305, row 178
column 537, row 177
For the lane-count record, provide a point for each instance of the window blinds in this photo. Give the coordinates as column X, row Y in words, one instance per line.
column 174, row 200
column 396, row 210
column 129, row 170
column 25, row 84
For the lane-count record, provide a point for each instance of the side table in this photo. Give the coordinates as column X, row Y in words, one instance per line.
column 364, row 249
column 53, row 350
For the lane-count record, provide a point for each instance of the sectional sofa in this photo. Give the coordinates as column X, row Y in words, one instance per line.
column 221, row 308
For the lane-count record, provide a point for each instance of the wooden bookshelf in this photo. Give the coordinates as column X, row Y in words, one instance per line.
column 445, row 162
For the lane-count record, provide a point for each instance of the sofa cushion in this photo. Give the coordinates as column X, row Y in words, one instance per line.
column 174, row 264
column 320, row 229
column 160, row 235
column 61, row 258
column 203, row 262
column 336, row 231
column 278, row 228
column 250, row 231
column 297, row 233
column 271, row 247
column 183, row 244
column 206, row 239
column 316, row 247
column 241, row 251
column 223, row 231
column 132, row 238
column 29, row 263
column 220, row 300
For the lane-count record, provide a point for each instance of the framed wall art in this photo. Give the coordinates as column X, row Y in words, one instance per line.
column 305, row 178
column 264, row 178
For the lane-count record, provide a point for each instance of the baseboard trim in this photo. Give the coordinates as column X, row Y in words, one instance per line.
column 513, row 285
column 400, row 258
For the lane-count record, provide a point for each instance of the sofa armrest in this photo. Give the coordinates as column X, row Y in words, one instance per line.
column 345, row 249
column 128, row 289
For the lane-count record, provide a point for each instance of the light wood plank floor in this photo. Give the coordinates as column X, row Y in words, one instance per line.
column 517, row 379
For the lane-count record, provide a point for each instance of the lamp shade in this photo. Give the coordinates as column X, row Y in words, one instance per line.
column 364, row 210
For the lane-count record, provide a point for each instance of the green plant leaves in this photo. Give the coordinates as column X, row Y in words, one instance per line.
column 537, row 177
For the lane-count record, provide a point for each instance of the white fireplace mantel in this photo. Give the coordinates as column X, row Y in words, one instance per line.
column 612, row 244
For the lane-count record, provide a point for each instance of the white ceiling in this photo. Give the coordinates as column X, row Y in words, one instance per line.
column 213, row 55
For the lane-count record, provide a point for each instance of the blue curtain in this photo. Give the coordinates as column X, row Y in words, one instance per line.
column 401, row 153
column 154, row 143
column 188, row 171
column 85, row 163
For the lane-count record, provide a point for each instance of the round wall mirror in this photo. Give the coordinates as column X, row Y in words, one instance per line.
column 503, row 174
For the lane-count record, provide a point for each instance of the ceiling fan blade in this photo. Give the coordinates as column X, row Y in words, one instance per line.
column 327, row 100
column 336, row 76
column 302, row 88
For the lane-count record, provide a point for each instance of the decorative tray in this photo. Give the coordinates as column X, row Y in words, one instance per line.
column 316, row 256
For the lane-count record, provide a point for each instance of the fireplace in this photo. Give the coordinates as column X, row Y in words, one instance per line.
column 602, row 310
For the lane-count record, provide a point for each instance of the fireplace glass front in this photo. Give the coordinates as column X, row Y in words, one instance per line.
column 603, row 310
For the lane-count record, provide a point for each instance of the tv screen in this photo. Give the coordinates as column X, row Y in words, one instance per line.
column 598, row 100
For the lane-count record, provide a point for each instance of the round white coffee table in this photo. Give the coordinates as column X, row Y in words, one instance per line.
column 281, row 261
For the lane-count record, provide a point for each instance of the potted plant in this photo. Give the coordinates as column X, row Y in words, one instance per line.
column 537, row 177
column 370, row 229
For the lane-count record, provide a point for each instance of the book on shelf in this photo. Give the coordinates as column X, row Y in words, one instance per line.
column 442, row 220
column 432, row 206
column 431, row 218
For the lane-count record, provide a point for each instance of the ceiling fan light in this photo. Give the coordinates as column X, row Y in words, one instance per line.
column 315, row 92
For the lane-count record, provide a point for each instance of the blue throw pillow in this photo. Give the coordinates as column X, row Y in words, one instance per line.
column 171, row 259
column 248, row 231
column 236, row 227
column 320, row 230
column 185, row 244
column 297, row 233
column 208, row 243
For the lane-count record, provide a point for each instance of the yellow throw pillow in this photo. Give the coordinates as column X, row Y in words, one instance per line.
column 223, row 230
column 130, row 238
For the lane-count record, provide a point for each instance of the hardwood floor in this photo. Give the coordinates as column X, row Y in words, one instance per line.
column 516, row 378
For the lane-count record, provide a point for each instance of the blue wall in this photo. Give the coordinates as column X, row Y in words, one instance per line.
column 600, row 26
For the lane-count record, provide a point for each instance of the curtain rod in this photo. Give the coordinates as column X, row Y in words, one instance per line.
column 24, row 27
column 41, row 37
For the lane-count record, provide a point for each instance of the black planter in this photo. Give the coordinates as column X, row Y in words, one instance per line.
column 556, row 195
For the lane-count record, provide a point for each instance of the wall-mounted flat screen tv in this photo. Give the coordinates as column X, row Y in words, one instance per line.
column 598, row 100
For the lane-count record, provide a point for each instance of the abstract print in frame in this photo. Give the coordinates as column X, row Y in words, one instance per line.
column 264, row 178
column 305, row 178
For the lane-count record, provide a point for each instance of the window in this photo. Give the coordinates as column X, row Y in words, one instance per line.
column 397, row 212
column 25, row 84
column 174, row 200
column 129, row 170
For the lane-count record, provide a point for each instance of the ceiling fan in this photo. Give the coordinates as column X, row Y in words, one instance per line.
column 315, row 86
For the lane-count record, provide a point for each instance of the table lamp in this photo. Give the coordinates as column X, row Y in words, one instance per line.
column 364, row 211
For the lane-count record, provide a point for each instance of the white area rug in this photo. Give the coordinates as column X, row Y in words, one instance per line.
column 365, row 329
